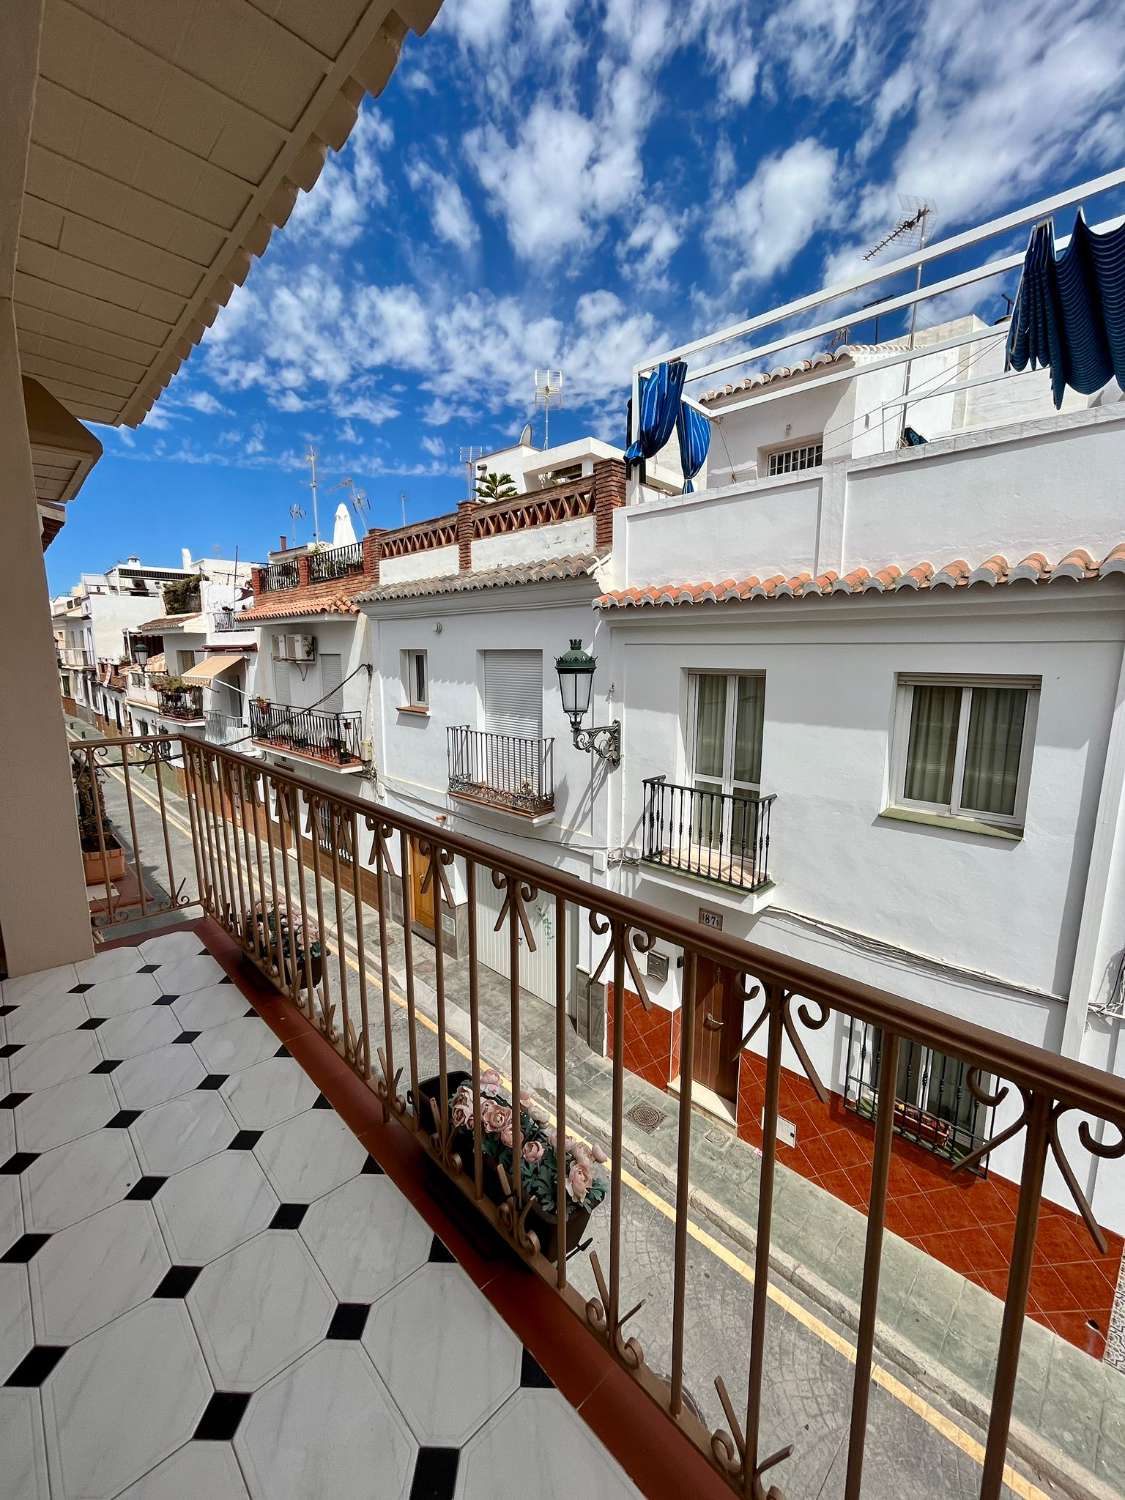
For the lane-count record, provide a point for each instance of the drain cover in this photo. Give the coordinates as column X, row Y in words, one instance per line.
column 645, row 1115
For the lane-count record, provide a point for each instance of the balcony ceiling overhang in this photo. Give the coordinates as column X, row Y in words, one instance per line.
column 167, row 143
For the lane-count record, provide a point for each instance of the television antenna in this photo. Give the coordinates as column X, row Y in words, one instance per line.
column 548, row 393
column 296, row 513
column 910, row 231
column 310, row 459
column 402, row 503
column 469, row 455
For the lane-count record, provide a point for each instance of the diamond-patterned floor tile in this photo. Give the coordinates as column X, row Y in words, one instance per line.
column 76, row 1180
column 214, row 1206
column 16, row 1327
column 154, row 1077
column 145, row 1365
column 199, row 1010
column 183, row 1131
column 448, row 1358
column 111, row 963
column 257, row 1309
column 183, row 975
column 325, row 1427
column 56, row 1115
column 54, row 1059
column 539, row 1428
column 366, row 1238
column 309, row 1155
column 21, row 1443
column 199, row 1471
column 169, row 947
column 269, row 1092
column 138, row 1031
column 236, row 1045
column 11, row 1210
column 44, row 982
column 94, row 1271
column 114, row 997
column 46, row 1015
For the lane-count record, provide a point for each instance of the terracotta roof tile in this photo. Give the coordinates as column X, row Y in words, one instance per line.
column 1078, row 564
column 331, row 596
column 549, row 570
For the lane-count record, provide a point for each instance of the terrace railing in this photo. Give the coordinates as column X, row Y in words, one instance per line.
column 227, row 619
column 335, row 562
column 715, row 835
column 274, row 892
column 222, row 728
column 332, row 737
column 180, row 702
column 281, row 575
column 505, row 770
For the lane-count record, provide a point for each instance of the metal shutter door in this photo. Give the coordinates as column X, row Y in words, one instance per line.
column 331, row 676
column 513, row 693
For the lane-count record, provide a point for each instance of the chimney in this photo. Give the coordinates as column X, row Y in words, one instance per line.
column 282, row 547
column 185, row 557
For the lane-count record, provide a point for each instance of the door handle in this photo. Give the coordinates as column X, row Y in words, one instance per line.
column 712, row 1023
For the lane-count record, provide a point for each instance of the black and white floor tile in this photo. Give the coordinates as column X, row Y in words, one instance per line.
column 208, row 1288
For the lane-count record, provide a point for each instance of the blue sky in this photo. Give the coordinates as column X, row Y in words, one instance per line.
column 577, row 183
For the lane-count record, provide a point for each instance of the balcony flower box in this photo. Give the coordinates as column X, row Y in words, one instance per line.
column 93, row 826
column 293, row 940
column 586, row 1181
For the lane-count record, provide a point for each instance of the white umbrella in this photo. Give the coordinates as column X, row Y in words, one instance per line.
column 343, row 534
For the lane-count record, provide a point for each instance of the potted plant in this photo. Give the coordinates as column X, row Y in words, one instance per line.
column 585, row 1179
column 293, row 942
column 96, row 865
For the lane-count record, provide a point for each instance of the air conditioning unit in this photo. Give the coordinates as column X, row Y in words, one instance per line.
column 303, row 647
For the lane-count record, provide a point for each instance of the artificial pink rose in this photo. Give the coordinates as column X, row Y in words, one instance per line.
column 552, row 1138
column 599, row 1155
column 506, row 1134
column 533, row 1152
column 578, row 1180
column 462, row 1115
column 538, row 1113
column 494, row 1116
column 581, row 1153
column 490, row 1079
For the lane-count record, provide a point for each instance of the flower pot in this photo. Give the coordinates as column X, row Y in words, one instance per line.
column 94, row 867
column 543, row 1223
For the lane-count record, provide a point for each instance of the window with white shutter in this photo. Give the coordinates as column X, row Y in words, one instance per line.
column 331, row 676
column 513, row 693
column 281, row 693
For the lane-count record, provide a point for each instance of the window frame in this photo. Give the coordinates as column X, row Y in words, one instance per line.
column 408, row 667
column 905, row 684
column 774, row 451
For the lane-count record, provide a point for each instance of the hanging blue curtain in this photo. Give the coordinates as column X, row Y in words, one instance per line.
column 1069, row 313
column 660, row 403
column 694, row 432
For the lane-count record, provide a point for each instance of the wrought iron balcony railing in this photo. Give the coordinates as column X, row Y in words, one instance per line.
column 180, row 702
column 281, row 575
column 335, row 562
column 712, row 834
column 222, row 728
column 504, row 770
column 274, row 892
column 228, row 619
column 76, row 656
column 333, row 737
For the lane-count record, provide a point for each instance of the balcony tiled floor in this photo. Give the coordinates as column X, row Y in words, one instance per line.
column 209, row 1288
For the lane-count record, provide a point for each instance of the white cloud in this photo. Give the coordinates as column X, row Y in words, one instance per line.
column 256, row 442
column 770, row 218
column 650, row 244
column 348, row 434
column 449, row 210
column 158, row 418
column 433, row 446
column 475, row 23
column 201, row 401
column 373, row 409
column 558, row 181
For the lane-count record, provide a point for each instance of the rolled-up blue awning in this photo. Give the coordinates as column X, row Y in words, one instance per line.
column 1069, row 313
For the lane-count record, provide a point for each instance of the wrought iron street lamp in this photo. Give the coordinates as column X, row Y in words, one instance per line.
column 140, row 649
column 576, row 684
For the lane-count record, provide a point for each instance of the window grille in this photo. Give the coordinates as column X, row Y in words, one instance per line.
column 792, row 460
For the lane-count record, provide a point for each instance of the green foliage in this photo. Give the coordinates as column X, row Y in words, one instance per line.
column 182, row 597
column 496, row 487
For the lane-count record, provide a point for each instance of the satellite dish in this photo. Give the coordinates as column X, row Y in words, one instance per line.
column 526, row 436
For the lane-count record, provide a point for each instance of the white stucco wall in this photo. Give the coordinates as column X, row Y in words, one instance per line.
column 566, row 539
column 439, row 562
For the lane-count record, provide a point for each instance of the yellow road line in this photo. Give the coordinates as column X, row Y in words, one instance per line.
column 1019, row 1486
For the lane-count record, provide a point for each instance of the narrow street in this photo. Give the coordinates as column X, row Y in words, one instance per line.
column 916, row 1445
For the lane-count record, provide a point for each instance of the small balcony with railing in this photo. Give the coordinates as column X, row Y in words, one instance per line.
column 223, row 729
column 708, row 833
column 335, row 562
column 76, row 657
column 183, row 702
column 506, row 771
column 281, row 575
column 334, row 739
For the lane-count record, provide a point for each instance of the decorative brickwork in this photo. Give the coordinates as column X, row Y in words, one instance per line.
column 304, row 578
column 609, row 493
column 424, row 536
column 565, row 502
column 465, row 512
column 965, row 1221
column 257, row 581
column 372, row 554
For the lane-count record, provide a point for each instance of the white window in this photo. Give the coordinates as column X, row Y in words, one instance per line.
column 964, row 748
column 725, row 756
column 415, row 679
column 331, row 676
column 808, row 454
column 513, row 693
column 185, row 660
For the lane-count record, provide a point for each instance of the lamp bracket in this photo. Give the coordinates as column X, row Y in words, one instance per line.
column 603, row 740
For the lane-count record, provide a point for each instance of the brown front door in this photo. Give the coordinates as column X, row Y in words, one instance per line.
column 422, row 901
column 718, row 1029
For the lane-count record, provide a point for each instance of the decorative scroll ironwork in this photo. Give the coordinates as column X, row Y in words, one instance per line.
column 642, row 941
column 806, row 1018
column 516, row 894
column 729, row 1451
column 628, row 1350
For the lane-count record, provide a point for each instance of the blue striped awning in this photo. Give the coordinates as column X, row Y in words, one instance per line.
column 1069, row 313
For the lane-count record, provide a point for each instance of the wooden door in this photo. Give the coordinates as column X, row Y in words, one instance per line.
column 421, row 901
column 718, row 1029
